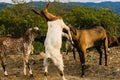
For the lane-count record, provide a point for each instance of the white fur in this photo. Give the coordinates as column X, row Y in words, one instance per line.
column 6, row 73
column 53, row 43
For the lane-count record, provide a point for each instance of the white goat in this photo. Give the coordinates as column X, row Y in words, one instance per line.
column 53, row 40
column 19, row 45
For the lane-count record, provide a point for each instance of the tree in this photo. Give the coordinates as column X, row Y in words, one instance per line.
column 15, row 20
column 2, row 30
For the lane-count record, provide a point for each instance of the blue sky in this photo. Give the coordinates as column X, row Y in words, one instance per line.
column 9, row 1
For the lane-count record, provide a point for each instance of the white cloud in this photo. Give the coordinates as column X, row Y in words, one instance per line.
column 8, row 1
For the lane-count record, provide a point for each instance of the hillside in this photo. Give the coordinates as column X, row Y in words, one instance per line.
column 115, row 6
column 4, row 5
column 72, row 69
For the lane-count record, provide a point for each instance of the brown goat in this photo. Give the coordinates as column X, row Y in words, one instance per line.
column 87, row 38
column 19, row 45
column 113, row 41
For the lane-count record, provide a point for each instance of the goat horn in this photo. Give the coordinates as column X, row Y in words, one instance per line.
column 36, row 12
column 47, row 4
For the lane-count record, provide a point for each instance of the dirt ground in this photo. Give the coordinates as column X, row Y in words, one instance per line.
column 94, row 71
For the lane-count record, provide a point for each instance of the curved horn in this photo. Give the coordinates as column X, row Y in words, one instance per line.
column 36, row 12
column 47, row 4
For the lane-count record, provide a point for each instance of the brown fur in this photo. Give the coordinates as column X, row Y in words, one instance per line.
column 113, row 41
column 118, row 38
column 48, row 16
column 87, row 38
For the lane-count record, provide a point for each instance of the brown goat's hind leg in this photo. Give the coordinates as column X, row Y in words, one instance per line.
column 105, row 59
column 82, row 60
column 106, row 50
column 100, row 53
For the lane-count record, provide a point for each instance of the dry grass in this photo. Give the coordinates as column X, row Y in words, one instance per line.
column 72, row 68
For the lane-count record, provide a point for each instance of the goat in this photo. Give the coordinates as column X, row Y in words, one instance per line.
column 53, row 40
column 19, row 45
column 113, row 41
column 87, row 38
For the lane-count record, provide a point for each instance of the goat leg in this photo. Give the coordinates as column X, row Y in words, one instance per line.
column 100, row 53
column 82, row 60
column 3, row 65
column 73, row 50
column 30, row 70
column 46, row 63
column 106, row 50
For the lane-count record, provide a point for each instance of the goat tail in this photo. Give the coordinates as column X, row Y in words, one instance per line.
column 43, row 55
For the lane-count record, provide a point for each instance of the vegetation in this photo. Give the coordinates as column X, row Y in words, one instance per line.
column 15, row 19
column 113, row 5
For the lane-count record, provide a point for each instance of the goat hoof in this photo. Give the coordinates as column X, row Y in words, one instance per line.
column 82, row 76
column 31, row 76
column 6, row 75
column 100, row 64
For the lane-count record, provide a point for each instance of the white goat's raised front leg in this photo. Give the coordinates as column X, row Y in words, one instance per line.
column 65, row 35
column 68, row 29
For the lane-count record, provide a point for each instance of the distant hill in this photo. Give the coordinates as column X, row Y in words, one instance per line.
column 4, row 5
column 115, row 6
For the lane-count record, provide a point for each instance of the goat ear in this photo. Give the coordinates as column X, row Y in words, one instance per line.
column 75, row 31
column 28, row 31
